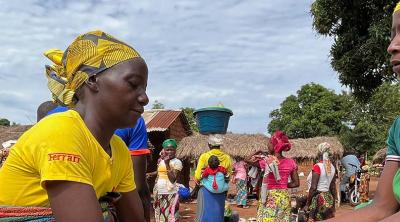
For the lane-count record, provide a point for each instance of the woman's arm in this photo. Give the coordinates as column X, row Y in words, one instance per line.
column 140, row 168
column 332, row 188
column 384, row 203
column 295, row 180
column 394, row 218
column 172, row 173
column 313, row 189
column 129, row 207
column 151, row 174
column 73, row 201
column 253, row 161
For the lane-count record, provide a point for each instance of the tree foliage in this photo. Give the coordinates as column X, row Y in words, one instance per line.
column 188, row 111
column 314, row 111
column 158, row 105
column 361, row 30
column 4, row 122
column 369, row 122
column 317, row 111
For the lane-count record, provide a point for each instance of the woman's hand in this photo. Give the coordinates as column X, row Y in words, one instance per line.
column 306, row 208
column 151, row 174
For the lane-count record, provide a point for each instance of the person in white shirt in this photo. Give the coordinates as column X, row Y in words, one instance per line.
column 322, row 195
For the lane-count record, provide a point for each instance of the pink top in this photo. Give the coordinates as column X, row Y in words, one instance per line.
column 240, row 170
column 286, row 167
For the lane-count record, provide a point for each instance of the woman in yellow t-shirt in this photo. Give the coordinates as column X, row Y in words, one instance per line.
column 166, row 199
column 69, row 161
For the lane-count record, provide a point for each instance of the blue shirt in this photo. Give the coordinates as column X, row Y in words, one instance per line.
column 58, row 109
column 219, row 179
column 135, row 138
column 350, row 159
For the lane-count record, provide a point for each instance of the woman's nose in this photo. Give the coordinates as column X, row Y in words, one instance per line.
column 143, row 99
column 394, row 46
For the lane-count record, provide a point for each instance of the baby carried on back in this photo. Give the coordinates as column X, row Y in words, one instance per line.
column 214, row 176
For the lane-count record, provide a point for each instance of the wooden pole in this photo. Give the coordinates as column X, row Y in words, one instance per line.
column 338, row 182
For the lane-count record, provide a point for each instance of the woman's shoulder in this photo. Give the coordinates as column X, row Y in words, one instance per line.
column 119, row 145
column 60, row 121
column 288, row 160
column 395, row 125
column 58, row 125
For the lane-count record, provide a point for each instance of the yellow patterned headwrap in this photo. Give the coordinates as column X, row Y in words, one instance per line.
column 88, row 55
column 397, row 8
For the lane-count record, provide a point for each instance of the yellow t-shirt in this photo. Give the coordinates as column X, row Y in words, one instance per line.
column 224, row 159
column 164, row 185
column 61, row 147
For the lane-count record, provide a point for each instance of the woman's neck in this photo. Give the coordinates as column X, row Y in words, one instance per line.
column 99, row 129
column 278, row 155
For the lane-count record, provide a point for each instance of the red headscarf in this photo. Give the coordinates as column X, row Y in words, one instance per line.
column 280, row 142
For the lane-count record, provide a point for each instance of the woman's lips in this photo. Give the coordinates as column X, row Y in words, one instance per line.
column 396, row 69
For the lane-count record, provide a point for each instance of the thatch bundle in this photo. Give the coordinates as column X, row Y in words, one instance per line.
column 307, row 148
column 244, row 145
column 11, row 132
column 379, row 156
column 236, row 145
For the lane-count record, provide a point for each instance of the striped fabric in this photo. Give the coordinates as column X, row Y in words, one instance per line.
column 393, row 158
column 21, row 214
column 88, row 55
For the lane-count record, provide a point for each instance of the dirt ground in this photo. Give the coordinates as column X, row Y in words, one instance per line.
column 188, row 210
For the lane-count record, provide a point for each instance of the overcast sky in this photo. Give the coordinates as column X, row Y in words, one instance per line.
column 249, row 55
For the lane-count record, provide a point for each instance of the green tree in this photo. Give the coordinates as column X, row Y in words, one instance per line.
column 360, row 30
column 362, row 138
column 4, row 122
column 158, row 105
column 369, row 123
column 188, row 111
column 315, row 111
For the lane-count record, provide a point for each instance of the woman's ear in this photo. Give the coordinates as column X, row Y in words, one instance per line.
column 91, row 83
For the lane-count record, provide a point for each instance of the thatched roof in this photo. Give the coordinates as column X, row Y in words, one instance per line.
column 379, row 156
column 244, row 145
column 306, row 148
column 11, row 132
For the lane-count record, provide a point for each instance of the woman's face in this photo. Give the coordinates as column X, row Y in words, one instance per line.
column 170, row 152
column 271, row 147
column 121, row 94
column 394, row 47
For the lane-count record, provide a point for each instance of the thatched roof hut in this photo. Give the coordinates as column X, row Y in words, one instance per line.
column 379, row 156
column 12, row 132
column 306, row 148
column 244, row 145
column 236, row 145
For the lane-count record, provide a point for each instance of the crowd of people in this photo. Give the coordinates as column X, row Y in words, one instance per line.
column 74, row 165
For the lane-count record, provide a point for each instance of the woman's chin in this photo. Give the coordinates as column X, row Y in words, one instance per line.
column 130, row 122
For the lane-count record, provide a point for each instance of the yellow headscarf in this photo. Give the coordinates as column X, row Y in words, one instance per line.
column 397, row 8
column 88, row 55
